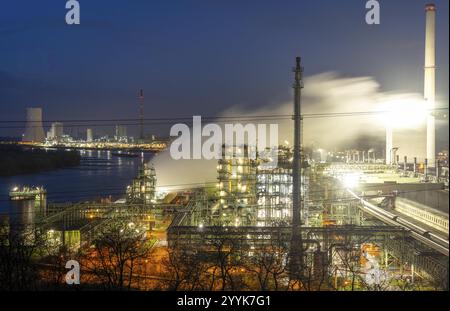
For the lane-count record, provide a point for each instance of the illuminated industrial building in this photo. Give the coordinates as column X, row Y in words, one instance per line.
column 121, row 133
column 56, row 131
column 143, row 188
column 274, row 188
column 237, row 184
column 254, row 190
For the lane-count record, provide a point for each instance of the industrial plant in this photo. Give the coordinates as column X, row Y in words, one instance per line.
column 119, row 140
column 290, row 217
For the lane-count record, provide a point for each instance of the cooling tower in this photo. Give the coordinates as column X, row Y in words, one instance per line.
column 89, row 136
column 34, row 131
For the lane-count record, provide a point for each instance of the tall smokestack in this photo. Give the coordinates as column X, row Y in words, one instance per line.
column 429, row 80
column 296, row 251
column 389, row 145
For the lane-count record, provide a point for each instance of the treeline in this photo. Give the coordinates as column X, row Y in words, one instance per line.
column 120, row 258
column 17, row 160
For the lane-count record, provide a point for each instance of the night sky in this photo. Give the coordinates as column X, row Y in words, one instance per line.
column 200, row 57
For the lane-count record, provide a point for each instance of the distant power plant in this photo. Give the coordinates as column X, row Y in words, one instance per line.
column 34, row 131
column 56, row 131
column 121, row 133
column 89, row 135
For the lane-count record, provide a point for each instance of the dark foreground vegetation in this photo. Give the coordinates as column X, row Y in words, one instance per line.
column 120, row 257
column 18, row 160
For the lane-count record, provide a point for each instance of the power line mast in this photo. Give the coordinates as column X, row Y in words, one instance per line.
column 296, row 251
column 141, row 114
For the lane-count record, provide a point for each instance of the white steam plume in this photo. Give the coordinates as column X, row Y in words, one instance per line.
column 323, row 94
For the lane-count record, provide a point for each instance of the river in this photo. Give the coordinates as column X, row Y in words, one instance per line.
column 99, row 175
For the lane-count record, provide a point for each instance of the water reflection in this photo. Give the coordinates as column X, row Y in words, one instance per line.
column 99, row 175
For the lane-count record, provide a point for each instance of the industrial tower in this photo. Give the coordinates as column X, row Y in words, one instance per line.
column 429, row 80
column 296, row 253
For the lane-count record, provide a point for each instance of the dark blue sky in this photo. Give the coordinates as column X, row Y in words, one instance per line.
column 199, row 57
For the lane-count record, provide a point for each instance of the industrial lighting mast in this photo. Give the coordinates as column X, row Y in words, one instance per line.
column 141, row 114
column 296, row 256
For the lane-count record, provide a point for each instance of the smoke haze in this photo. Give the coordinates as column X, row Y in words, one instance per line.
column 325, row 93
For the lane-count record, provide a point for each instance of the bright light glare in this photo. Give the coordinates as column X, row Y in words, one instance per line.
column 404, row 112
column 162, row 190
column 350, row 180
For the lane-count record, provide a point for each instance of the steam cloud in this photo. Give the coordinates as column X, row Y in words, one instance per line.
column 323, row 94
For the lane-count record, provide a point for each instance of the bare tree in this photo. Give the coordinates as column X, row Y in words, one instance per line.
column 119, row 248
column 18, row 246
column 226, row 262
column 184, row 269
column 268, row 266
column 351, row 266
column 52, row 265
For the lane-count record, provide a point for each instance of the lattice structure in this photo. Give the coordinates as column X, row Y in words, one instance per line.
column 237, row 184
column 274, row 189
column 143, row 187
